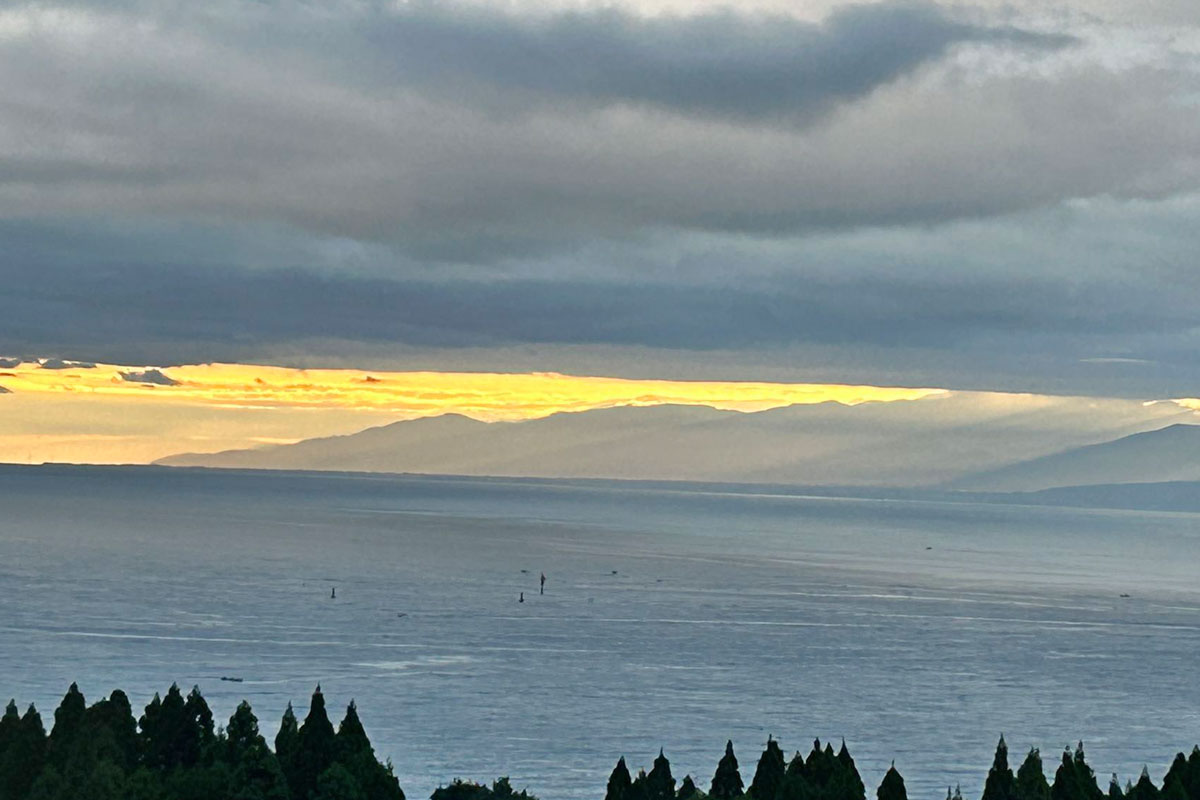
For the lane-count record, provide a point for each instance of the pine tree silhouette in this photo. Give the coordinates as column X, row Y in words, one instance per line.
column 1031, row 778
column 8, row 725
column 659, row 783
column 68, row 726
column 25, row 756
column 287, row 745
column 112, row 732
column 1144, row 789
column 1000, row 784
column 769, row 774
column 1177, row 773
column 727, row 781
column 619, row 782
column 892, row 786
column 315, row 744
column 850, row 783
column 196, row 738
column 355, row 753
column 819, row 766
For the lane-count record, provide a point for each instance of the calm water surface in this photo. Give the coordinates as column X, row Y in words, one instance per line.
column 919, row 631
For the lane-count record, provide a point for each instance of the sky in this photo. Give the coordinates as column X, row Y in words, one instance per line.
column 84, row 412
column 975, row 196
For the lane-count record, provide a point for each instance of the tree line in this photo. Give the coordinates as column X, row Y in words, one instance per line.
column 175, row 752
column 828, row 775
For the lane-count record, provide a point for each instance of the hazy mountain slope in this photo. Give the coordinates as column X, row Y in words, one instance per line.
column 1168, row 454
column 1165, row 496
column 908, row 443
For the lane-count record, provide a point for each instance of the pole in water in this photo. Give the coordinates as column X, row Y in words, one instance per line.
column 521, row 599
column 333, row 593
column 542, row 588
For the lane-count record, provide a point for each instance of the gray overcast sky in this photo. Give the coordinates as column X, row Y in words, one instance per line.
column 1004, row 195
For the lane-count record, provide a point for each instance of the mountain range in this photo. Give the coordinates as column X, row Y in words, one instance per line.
column 961, row 440
column 1170, row 454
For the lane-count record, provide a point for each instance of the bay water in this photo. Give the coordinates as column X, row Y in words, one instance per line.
column 674, row 616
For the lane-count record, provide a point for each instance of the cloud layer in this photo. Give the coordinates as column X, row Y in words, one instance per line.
column 897, row 184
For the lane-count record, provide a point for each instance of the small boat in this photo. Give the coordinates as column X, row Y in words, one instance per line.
column 232, row 680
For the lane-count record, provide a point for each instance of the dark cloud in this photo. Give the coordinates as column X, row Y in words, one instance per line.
column 724, row 64
column 152, row 376
column 218, row 311
column 455, row 133
column 58, row 363
column 895, row 187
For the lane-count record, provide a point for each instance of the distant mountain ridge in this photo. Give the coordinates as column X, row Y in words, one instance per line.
column 928, row 442
column 1170, row 454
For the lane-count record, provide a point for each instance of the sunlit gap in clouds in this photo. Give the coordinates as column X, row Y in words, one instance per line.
column 104, row 413
column 484, row 396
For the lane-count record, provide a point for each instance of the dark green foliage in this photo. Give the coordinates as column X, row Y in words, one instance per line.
column 1177, row 772
column 1174, row 792
column 198, row 729
column 242, row 733
column 9, row 724
column 1001, row 783
column 256, row 772
column 848, row 784
column 257, row 776
column 68, row 726
column 727, row 781
column 316, row 745
column 173, row 753
column 769, row 774
column 351, row 738
column 1182, row 781
column 619, row 782
column 1031, row 778
column 336, row 783
column 50, row 785
column 502, row 790
column 97, row 753
column 23, row 759
column 287, row 742
column 1144, row 789
column 660, row 785
column 144, row 784
column 1074, row 779
column 820, row 765
column 167, row 740
column 110, row 727
column 824, row 776
column 795, row 785
column 465, row 790
column 892, row 787
column 355, row 753
column 199, row 782
column 176, row 732
column 462, row 790
column 638, row 790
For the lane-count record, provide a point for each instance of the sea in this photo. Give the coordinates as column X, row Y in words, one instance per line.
column 675, row 616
